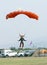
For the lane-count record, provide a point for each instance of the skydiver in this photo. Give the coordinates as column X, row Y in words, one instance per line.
column 21, row 41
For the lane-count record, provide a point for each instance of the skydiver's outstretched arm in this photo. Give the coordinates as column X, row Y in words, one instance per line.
column 24, row 39
column 19, row 40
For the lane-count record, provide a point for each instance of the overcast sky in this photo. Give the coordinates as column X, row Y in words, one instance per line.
column 34, row 30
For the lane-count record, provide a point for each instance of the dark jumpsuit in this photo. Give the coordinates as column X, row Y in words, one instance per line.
column 21, row 43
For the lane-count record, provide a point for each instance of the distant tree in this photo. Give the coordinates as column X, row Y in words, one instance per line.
column 13, row 48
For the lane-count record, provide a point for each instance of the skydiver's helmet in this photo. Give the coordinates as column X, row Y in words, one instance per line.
column 21, row 35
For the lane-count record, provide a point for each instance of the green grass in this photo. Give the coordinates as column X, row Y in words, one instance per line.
column 24, row 61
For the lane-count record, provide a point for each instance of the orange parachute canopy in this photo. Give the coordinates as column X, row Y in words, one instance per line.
column 27, row 13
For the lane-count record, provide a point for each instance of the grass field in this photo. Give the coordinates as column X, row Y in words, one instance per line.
column 24, row 61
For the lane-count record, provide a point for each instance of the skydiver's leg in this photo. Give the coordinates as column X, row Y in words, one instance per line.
column 22, row 45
